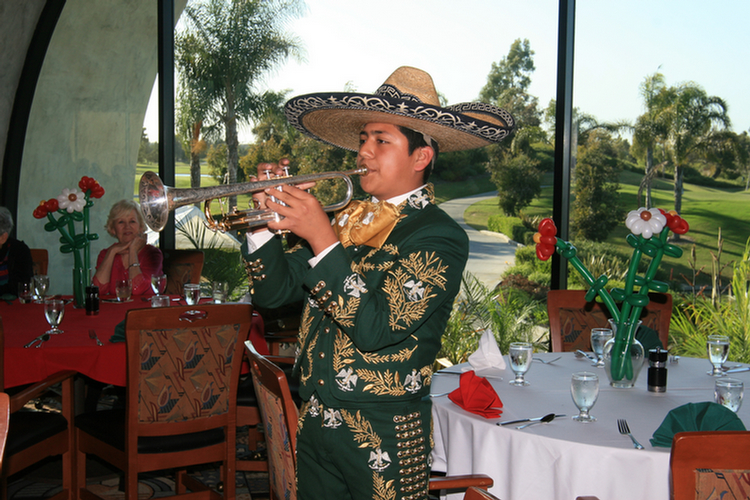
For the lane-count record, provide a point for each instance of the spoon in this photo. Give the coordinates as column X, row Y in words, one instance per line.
column 545, row 419
column 580, row 353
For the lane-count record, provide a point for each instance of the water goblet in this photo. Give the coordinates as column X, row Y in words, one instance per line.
column 54, row 309
column 192, row 293
column 599, row 337
column 158, row 283
column 584, row 389
column 520, row 356
column 41, row 285
column 717, row 347
column 25, row 291
column 123, row 289
column 728, row 392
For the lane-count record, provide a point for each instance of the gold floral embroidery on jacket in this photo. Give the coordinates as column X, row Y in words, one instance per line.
column 382, row 490
column 342, row 351
column 409, row 288
column 403, row 355
column 426, row 372
column 381, row 383
column 344, row 313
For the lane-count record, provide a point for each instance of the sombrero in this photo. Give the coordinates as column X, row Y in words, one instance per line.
column 407, row 98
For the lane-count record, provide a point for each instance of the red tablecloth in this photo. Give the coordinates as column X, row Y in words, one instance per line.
column 73, row 350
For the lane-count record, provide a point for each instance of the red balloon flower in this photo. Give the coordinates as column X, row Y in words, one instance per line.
column 545, row 239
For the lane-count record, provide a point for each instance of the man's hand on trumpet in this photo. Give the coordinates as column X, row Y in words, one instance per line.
column 303, row 214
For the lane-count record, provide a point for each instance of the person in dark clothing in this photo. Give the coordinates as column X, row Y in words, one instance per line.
column 16, row 265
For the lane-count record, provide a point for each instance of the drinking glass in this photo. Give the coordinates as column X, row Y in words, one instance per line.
column 25, row 292
column 160, row 301
column 520, row 356
column 158, row 283
column 599, row 337
column 729, row 392
column 54, row 309
column 123, row 289
column 584, row 389
column 41, row 285
column 717, row 347
column 219, row 292
column 192, row 293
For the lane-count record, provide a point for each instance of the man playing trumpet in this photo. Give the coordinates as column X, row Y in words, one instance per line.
column 379, row 282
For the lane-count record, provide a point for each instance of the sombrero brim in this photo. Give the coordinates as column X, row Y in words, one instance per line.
column 337, row 118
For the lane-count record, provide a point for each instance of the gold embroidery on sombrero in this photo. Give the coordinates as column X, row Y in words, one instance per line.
column 409, row 288
column 382, row 383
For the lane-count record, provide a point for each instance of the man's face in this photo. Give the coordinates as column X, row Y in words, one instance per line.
column 384, row 150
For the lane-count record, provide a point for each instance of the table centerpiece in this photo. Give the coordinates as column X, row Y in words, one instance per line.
column 649, row 237
column 73, row 206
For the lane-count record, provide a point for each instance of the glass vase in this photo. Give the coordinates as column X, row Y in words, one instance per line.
column 623, row 362
column 81, row 279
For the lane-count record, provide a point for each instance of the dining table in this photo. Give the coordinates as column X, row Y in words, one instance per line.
column 77, row 347
column 564, row 458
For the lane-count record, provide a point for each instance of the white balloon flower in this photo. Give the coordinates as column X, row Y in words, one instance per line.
column 645, row 222
column 71, row 200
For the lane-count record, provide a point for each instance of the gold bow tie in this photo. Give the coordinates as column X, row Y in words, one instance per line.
column 366, row 223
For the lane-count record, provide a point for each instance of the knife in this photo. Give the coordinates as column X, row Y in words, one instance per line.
column 92, row 335
column 735, row 370
column 535, row 419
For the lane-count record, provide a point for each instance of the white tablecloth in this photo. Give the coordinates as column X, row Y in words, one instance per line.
column 564, row 459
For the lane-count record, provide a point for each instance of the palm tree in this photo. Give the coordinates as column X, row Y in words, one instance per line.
column 226, row 47
column 696, row 122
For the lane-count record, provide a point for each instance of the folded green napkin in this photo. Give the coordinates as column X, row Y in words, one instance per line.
column 119, row 335
column 705, row 416
column 649, row 338
column 8, row 297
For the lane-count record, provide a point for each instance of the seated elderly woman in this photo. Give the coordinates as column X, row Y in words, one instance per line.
column 16, row 265
column 129, row 258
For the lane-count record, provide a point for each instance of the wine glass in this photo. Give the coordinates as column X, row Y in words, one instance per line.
column 520, row 356
column 123, row 289
column 584, row 389
column 158, row 283
column 54, row 309
column 599, row 337
column 717, row 347
column 41, row 285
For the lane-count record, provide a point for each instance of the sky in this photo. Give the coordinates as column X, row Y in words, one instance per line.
column 618, row 44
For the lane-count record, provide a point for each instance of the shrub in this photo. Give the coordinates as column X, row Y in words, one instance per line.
column 512, row 227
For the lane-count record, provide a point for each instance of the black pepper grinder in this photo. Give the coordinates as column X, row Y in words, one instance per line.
column 657, row 370
column 92, row 300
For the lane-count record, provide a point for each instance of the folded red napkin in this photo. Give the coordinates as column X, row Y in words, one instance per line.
column 475, row 394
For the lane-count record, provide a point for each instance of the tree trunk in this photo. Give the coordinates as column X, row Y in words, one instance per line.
column 678, row 179
column 195, row 161
column 649, row 167
column 233, row 158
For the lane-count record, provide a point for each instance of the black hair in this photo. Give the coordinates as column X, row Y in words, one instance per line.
column 417, row 140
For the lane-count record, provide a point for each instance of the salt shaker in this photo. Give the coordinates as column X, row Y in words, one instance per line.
column 657, row 370
column 92, row 300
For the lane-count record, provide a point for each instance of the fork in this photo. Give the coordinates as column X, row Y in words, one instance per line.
column 547, row 362
column 622, row 426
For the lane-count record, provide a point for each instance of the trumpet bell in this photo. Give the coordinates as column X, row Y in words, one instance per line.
column 154, row 201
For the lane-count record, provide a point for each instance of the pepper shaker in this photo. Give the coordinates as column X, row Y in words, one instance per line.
column 657, row 370
column 92, row 300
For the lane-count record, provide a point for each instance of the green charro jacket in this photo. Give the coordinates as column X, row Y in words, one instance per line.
column 374, row 318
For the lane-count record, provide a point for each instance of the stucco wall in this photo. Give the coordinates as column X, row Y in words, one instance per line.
column 87, row 116
column 17, row 23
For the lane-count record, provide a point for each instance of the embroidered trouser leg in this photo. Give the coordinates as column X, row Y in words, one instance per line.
column 375, row 452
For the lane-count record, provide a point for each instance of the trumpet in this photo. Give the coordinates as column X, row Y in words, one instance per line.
column 157, row 200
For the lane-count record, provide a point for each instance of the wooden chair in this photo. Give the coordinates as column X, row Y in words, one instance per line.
column 474, row 493
column 280, row 414
column 34, row 436
column 4, row 421
column 181, row 266
column 571, row 318
column 40, row 259
column 710, row 465
column 183, row 368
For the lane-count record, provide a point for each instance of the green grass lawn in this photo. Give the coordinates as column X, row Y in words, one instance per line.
column 706, row 210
